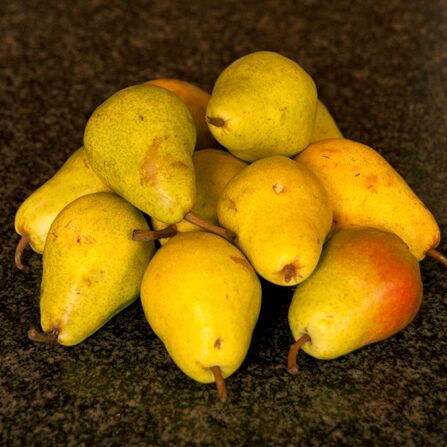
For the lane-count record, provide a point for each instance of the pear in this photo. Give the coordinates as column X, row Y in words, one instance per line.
column 92, row 269
column 263, row 104
column 196, row 101
column 325, row 125
column 202, row 299
column 36, row 214
column 366, row 288
column 280, row 214
column 214, row 169
column 366, row 191
column 140, row 142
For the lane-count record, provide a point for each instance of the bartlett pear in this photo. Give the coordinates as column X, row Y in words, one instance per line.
column 196, row 101
column 366, row 191
column 140, row 142
column 36, row 214
column 263, row 104
column 281, row 214
column 202, row 298
column 213, row 168
column 92, row 268
column 366, row 288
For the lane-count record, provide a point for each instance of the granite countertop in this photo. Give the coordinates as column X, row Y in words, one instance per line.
column 380, row 66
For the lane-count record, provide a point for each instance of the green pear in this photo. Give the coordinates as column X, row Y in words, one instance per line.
column 36, row 214
column 202, row 298
column 366, row 288
column 263, row 104
column 325, row 125
column 92, row 269
column 140, row 142
column 281, row 215
column 214, row 169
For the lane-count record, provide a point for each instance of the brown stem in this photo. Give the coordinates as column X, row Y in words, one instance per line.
column 289, row 272
column 218, row 122
column 20, row 248
column 292, row 366
column 154, row 235
column 220, row 383
column 435, row 254
column 40, row 337
column 223, row 232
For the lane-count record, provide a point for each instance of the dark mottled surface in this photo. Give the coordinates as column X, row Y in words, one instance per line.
column 380, row 65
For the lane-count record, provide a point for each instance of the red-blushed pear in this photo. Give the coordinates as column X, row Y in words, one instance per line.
column 365, row 190
column 367, row 287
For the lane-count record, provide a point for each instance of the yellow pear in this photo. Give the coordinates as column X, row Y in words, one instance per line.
column 281, row 214
column 92, row 268
column 263, row 104
column 196, row 101
column 366, row 191
column 202, row 298
column 36, row 214
column 214, row 168
column 325, row 125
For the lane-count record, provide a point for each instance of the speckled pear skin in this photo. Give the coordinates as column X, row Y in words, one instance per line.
column 196, row 101
column 36, row 214
column 325, row 125
column 366, row 191
column 267, row 103
column 366, row 288
column 202, row 298
column 214, row 169
column 281, row 215
column 92, row 269
column 140, row 142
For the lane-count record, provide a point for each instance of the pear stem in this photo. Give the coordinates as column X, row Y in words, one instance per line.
column 39, row 337
column 154, row 235
column 220, row 383
column 435, row 254
column 292, row 366
column 223, row 232
column 20, row 248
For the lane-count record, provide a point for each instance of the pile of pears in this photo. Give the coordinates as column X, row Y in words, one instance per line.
column 253, row 180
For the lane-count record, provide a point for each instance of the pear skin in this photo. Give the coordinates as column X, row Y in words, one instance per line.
column 202, row 299
column 214, row 169
column 366, row 191
column 367, row 287
column 281, row 215
column 325, row 125
column 92, row 269
column 263, row 104
column 36, row 214
column 140, row 142
column 196, row 101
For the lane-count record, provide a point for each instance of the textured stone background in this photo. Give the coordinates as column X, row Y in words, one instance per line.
column 380, row 66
